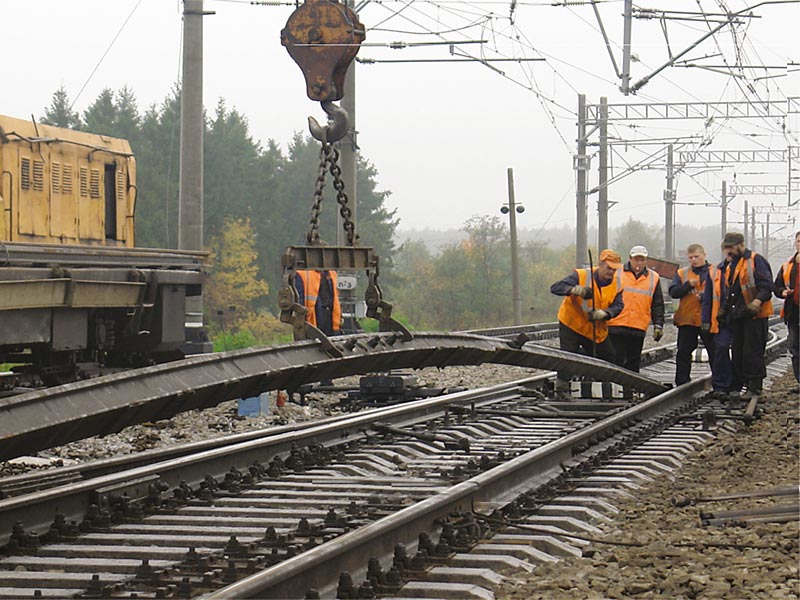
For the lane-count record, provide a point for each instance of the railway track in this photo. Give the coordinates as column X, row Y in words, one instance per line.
column 294, row 509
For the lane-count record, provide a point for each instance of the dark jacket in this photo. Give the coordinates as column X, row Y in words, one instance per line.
column 562, row 287
column 791, row 312
column 732, row 302
column 708, row 296
column 678, row 289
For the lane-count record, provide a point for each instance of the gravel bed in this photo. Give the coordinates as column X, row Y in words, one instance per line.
column 676, row 557
column 223, row 419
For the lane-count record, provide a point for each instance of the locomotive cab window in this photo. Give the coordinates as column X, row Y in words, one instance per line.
column 110, row 201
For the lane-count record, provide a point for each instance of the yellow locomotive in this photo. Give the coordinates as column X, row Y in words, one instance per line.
column 73, row 288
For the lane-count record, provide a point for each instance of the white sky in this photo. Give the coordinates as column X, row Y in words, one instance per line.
column 441, row 135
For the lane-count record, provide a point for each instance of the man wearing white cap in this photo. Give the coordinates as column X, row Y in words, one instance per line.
column 644, row 303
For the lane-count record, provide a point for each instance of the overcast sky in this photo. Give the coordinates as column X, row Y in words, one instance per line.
column 442, row 135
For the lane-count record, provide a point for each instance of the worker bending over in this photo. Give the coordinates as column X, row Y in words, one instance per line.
column 590, row 300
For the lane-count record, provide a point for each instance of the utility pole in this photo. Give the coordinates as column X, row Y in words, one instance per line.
column 348, row 148
column 512, row 209
column 581, row 165
column 765, row 245
column 745, row 230
column 190, row 195
column 669, row 203
column 753, row 226
column 626, row 46
column 602, row 177
column 724, row 208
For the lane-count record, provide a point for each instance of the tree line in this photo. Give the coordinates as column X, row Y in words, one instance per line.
column 257, row 198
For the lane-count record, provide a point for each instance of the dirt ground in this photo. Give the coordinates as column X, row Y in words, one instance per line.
column 674, row 555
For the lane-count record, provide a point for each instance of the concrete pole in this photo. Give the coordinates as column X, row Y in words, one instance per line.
column 746, row 229
column 766, row 240
column 602, row 175
column 723, row 225
column 190, row 199
column 581, row 166
column 626, row 46
column 753, row 226
column 512, row 219
column 669, row 204
column 348, row 150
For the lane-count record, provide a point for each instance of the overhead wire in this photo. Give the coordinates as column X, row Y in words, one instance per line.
column 108, row 49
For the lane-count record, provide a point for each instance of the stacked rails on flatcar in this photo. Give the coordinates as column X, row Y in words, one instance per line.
column 73, row 288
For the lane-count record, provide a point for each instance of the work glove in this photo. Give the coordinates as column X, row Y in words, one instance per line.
column 705, row 327
column 686, row 288
column 753, row 308
column 598, row 315
column 722, row 317
column 658, row 333
column 581, row 290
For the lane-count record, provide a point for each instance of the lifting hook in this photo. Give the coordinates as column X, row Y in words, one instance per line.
column 337, row 127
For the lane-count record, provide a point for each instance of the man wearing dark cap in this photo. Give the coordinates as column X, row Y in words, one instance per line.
column 745, row 306
column 590, row 300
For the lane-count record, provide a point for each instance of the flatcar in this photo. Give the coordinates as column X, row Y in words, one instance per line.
column 74, row 289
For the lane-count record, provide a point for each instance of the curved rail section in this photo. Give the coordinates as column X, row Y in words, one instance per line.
column 46, row 418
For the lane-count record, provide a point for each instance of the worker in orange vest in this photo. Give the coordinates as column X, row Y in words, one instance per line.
column 745, row 305
column 589, row 302
column 688, row 286
column 787, row 288
column 317, row 291
column 644, row 303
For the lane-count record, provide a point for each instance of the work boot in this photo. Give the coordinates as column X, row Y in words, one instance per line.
column 562, row 390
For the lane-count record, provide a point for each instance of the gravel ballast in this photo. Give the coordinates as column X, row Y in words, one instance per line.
column 675, row 556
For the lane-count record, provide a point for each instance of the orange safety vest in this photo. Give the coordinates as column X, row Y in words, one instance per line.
column 311, row 283
column 637, row 294
column 787, row 280
column 746, row 274
column 574, row 309
column 716, row 282
column 690, row 307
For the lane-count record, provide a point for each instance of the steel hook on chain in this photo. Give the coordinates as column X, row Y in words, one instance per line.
column 337, row 127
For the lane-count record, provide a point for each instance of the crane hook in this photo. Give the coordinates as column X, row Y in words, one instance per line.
column 337, row 127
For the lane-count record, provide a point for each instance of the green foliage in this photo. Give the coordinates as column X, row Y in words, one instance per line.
column 226, row 340
column 59, row 113
column 243, row 179
column 634, row 233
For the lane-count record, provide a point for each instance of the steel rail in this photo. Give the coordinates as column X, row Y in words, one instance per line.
column 37, row 510
column 319, row 568
column 14, row 485
column 43, row 479
column 45, row 418
column 27, row 253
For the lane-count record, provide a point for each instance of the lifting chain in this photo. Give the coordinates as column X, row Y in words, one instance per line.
column 329, row 162
column 323, row 38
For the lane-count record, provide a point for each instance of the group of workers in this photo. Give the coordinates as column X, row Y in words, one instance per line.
column 608, row 309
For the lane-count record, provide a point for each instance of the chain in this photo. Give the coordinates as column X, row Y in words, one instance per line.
column 342, row 199
column 329, row 162
column 325, row 151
